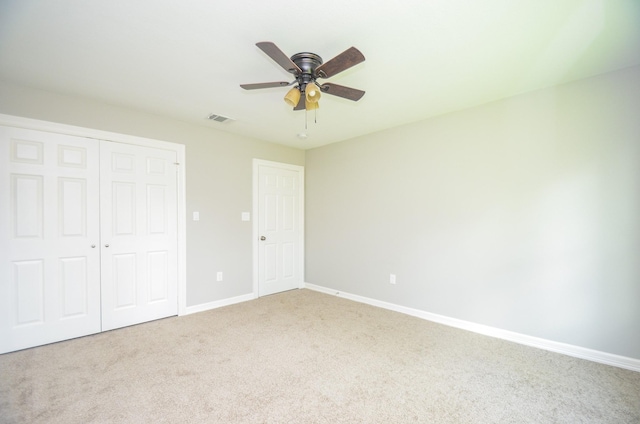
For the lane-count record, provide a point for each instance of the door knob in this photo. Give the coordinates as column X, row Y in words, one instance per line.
column 93, row 246
column 106, row 245
column 263, row 238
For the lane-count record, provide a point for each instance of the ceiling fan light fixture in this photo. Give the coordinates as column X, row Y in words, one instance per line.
column 293, row 97
column 312, row 93
column 312, row 105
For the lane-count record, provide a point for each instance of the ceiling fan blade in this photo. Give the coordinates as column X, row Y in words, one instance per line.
column 278, row 56
column 301, row 103
column 342, row 91
column 265, row 85
column 344, row 60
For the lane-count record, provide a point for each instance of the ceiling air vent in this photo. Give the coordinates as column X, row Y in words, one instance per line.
column 218, row 118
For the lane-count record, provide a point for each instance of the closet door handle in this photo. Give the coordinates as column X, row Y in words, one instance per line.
column 106, row 245
column 93, row 246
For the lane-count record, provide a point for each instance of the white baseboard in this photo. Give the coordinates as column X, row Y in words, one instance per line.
column 563, row 348
column 218, row 304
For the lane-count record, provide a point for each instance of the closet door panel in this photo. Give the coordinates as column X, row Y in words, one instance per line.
column 139, row 233
column 49, row 233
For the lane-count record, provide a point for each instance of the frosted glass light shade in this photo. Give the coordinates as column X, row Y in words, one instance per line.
column 312, row 93
column 312, row 105
column 293, row 97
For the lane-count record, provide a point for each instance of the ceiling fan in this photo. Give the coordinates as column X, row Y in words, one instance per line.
column 307, row 68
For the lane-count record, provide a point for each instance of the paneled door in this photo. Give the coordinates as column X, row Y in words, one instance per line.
column 139, row 234
column 280, row 226
column 49, row 237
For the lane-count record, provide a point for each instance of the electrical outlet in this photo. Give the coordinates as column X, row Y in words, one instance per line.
column 392, row 278
column 219, row 276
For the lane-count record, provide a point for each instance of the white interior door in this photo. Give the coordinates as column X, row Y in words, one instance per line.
column 49, row 233
column 139, row 234
column 280, row 226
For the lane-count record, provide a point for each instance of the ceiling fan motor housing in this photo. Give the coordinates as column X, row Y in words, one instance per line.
column 307, row 62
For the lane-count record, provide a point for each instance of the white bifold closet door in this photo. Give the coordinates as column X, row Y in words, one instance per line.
column 139, row 234
column 49, row 236
column 88, row 236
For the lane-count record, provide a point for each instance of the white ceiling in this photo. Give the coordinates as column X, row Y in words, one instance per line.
column 186, row 59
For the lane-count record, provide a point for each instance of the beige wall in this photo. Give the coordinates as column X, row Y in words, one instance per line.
column 218, row 180
column 522, row 214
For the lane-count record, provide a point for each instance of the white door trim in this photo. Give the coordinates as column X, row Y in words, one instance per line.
column 256, row 184
column 53, row 127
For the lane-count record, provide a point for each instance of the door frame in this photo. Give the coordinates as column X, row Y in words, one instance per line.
column 256, row 219
column 179, row 149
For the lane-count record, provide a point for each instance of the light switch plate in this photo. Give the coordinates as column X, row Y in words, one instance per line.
column 246, row 216
column 196, row 216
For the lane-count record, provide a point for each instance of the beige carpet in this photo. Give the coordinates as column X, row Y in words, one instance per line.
column 307, row 357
